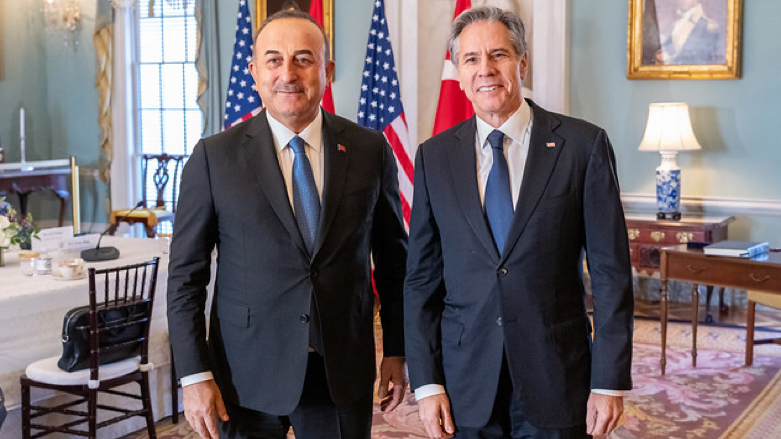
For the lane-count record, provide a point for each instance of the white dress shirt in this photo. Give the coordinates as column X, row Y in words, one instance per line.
column 517, row 134
column 313, row 136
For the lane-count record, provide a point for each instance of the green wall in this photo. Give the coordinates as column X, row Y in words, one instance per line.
column 738, row 122
column 55, row 85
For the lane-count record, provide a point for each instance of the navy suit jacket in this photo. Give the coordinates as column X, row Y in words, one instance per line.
column 466, row 305
column 233, row 196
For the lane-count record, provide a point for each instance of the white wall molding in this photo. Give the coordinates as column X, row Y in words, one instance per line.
column 403, row 27
column 646, row 203
column 551, row 54
column 123, row 179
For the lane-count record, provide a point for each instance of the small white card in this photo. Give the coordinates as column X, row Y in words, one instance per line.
column 51, row 239
column 74, row 245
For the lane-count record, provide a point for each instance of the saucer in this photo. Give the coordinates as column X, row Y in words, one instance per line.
column 58, row 276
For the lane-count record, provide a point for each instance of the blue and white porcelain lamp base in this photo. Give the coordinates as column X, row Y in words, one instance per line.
column 668, row 188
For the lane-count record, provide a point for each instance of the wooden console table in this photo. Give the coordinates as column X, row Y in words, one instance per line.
column 647, row 236
column 762, row 273
column 22, row 183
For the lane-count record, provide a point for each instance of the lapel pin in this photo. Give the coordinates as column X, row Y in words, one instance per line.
column 550, row 144
column 341, row 148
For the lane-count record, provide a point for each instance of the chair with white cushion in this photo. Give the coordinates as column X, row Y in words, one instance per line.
column 126, row 291
column 768, row 299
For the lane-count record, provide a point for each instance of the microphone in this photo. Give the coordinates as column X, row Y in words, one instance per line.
column 106, row 253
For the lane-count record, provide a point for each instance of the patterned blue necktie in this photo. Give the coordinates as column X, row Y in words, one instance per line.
column 498, row 195
column 306, row 200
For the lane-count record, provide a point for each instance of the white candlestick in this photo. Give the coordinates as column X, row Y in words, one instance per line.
column 22, row 140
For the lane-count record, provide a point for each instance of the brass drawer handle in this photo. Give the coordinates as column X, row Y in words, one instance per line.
column 757, row 279
column 684, row 237
column 633, row 234
column 695, row 270
column 657, row 236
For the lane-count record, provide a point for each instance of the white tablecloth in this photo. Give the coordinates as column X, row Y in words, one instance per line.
column 31, row 314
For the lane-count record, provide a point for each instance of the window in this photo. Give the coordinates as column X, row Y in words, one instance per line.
column 169, row 119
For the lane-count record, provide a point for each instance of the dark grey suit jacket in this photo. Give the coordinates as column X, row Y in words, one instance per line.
column 466, row 304
column 233, row 197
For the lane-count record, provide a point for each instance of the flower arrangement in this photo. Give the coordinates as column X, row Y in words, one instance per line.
column 15, row 230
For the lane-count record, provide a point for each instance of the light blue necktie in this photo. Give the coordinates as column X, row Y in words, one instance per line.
column 498, row 195
column 306, row 201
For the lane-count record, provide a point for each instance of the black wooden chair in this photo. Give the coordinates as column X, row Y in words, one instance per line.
column 166, row 168
column 128, row 291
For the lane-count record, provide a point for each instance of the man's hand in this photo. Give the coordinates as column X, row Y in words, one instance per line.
column 391, row 371
column 603, row 413
column 434, row 411
column 202, row 401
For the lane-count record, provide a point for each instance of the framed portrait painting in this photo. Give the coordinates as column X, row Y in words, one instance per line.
column 264, row 8
column 684, row 39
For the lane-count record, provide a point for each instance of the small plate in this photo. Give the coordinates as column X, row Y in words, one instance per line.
column 58, row 276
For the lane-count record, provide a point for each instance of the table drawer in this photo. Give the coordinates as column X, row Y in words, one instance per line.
column 665, row 236
column 716, row 270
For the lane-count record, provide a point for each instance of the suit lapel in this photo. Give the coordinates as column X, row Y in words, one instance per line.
column 537, row 172
column 264, row 165
column 463, row 165
column 336, row 159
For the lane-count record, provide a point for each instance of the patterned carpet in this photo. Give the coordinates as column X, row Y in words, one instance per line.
column 720, row 399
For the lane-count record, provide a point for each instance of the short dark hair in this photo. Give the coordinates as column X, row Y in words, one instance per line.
column 292, row 13
column 490, row 14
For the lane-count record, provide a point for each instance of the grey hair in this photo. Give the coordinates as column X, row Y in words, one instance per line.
column 292, row 13
column 490, row 14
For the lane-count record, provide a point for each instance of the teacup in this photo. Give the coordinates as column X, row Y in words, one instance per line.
column 70, row 270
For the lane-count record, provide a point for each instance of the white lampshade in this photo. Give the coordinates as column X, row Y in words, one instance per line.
column 669, row 128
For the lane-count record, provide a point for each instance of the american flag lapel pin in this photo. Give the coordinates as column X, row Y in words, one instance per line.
column 550, row 145
column 341, row 148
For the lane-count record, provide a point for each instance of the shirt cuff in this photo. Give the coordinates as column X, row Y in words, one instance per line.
column 196, row 378
column 428, row 390
column 609, row 392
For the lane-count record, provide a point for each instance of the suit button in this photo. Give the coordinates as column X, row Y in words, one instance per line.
column 304, row 318
column 502, row 271
column 313, row 274
column 498, row 321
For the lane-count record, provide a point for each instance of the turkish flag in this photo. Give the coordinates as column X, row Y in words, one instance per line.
column 316, row 11
column 453, row 107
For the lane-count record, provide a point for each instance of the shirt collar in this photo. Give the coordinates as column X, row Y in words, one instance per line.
column 282, row 135
column 694, row 14
column 514, row 127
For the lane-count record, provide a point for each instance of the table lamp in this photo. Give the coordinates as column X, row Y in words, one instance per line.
column 668, row 131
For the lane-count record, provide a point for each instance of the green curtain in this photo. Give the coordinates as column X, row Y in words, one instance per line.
column 207, row 61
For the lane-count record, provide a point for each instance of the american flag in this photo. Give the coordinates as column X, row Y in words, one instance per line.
column 380, row 104
column 453, row 107
column 243, row 101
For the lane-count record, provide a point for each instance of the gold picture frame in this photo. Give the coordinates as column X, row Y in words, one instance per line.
column 684, row 39
column 264, row 8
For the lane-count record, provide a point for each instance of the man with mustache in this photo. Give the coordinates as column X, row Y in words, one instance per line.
column 297, row 202
column 499, row 343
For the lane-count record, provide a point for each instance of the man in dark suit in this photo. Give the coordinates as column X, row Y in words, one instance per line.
column 291, row 329
column 498, row 340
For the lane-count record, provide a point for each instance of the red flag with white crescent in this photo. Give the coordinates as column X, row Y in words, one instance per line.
column 316, row 11
column 453, row 107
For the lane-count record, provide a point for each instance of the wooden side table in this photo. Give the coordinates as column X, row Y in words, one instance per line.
column 647, row 236
column 23, row 183
column 761, row 273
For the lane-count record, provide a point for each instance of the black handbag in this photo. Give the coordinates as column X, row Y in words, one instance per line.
column 75, row 335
